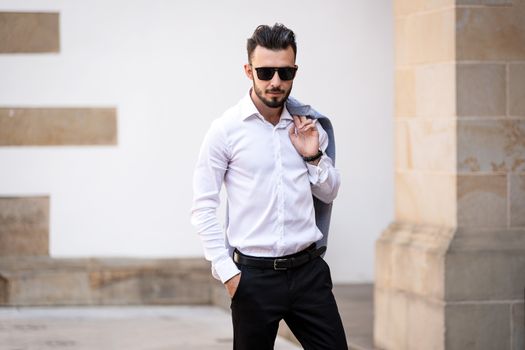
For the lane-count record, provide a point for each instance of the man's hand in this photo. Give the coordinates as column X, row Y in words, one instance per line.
column 232, row 284
column 304, row 136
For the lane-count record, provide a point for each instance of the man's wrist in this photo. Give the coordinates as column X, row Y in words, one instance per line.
column 314, row 157
column 225, row 269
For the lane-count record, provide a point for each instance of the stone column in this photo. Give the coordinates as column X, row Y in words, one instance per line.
column 450, row 271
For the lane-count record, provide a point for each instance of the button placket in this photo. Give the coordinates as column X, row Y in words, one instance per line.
column 280, row 196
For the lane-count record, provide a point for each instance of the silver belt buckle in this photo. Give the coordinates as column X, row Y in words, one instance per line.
column 277, row 268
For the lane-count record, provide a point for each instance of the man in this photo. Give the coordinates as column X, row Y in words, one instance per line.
column 270, row 163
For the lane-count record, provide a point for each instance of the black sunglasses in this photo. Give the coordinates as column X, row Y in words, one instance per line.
column 267, row 73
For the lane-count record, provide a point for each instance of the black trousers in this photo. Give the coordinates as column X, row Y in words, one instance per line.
column 302, row 297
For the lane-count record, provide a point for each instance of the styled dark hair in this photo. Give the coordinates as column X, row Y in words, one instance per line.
column 277, row 37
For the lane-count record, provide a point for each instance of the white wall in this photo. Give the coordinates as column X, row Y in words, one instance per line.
column 171, row 67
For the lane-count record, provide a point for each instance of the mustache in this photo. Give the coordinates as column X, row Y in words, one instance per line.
column 276, row 90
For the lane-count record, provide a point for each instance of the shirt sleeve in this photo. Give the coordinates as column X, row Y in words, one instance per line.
column 324, row 177
column 208, row 178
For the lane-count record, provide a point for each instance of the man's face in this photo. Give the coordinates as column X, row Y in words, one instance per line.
column 274, row 92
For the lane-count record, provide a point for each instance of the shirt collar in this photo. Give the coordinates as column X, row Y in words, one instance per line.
column 248, row 109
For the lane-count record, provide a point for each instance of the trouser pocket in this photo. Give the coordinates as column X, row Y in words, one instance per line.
column 241, row 282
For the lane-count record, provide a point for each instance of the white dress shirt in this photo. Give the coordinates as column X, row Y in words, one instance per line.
column 268, row 184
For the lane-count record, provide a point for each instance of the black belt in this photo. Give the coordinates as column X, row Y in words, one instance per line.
column 283, row 263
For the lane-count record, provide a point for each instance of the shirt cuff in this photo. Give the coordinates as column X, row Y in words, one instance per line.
column 318, row 173
column 225, row 269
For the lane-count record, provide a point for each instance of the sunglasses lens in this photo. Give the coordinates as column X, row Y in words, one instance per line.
column 265, row 73
column 286, row 73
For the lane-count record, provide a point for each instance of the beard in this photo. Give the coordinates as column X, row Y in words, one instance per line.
column 273, row 102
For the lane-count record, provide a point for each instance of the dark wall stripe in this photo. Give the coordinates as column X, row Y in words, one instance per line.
column 24, row 226
column 58, row 126
column 29, row 32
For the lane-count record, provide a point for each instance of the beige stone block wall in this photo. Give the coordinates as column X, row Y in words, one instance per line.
column 390, row 306
column 491, row 329
column 482, row 269
column 491, row 33
column 426, row 144
column 492, row 148
column 434, row 96
column 516, row 73
column 425, row 198
column 485, row 265
column 482, row 201
column 414, row 323
column 402, row 156
column 24, row 226
column 517, row 200
column 29, row 32
column 410, row 259
column 424, row 37
column 58, row 126
column 3, row 290
column 409, row 7
column 405, row 92
column 426, row 321
column 424, row 91
column 108, row 281
column 518, row 326
column 491, row 145
column 460, row 166
column 490, row 47
column 151, row 287
column 425, row 110
column 481, row 89
column 485, row 2
column 50, row 288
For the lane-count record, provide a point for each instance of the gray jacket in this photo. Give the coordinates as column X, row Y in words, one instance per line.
column 323, row 211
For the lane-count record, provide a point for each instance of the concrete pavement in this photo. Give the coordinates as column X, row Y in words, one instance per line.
column 116, row 328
